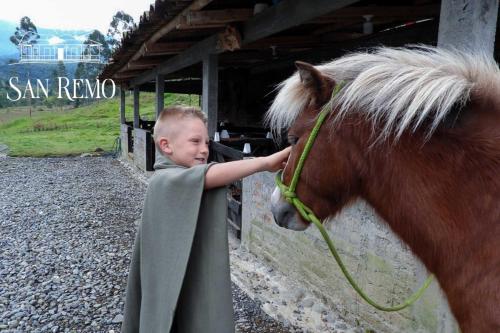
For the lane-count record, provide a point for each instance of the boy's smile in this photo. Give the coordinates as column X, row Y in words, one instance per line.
column 187, row 144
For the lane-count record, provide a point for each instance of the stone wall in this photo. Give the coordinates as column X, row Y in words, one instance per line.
column 379, row 261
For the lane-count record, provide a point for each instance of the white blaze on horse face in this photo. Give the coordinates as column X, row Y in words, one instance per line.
column 284, row 213
column 276, row 196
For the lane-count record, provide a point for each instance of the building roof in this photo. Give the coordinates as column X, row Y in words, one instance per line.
column 174, row 35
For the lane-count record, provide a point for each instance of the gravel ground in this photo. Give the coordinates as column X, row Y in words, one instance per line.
column 66, row 233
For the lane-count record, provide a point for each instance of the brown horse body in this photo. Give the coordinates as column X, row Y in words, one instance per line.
column 439, row 192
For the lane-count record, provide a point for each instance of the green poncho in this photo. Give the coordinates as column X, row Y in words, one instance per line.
column 179, row 275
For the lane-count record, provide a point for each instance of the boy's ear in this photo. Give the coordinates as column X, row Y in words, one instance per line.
column 164, row 145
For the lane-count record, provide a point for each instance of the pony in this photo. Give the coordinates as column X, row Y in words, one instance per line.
column 415, row 132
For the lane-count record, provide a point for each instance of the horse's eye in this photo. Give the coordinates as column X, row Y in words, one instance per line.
column 292, row 139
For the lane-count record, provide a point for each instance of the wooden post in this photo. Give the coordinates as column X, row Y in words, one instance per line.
column 136, row 107
column 210, row 91
column 160, row 90
column 122, row 105
column 468, row 24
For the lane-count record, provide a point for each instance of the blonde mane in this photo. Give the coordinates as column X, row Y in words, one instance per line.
column 397, row 88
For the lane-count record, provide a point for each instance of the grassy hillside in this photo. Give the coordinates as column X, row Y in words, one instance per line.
column 73, row 131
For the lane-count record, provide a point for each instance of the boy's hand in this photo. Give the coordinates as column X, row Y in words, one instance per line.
column 277, row 160
column 220, row 174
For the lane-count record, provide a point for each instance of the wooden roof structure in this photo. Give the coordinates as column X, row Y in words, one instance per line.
column 172, row 38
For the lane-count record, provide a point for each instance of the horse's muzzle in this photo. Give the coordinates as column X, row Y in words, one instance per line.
column 285, row 214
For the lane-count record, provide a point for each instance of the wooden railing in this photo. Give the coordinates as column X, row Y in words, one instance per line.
column 221, row 153
column 231, row 150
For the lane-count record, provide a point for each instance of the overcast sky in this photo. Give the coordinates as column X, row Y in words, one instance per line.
column 71, row 14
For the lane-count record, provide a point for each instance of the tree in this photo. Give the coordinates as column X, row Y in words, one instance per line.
column 59, row 71
column 79, row 74
column 90, row 71
column 97, row 36
column 25, row 33
column 120, row 23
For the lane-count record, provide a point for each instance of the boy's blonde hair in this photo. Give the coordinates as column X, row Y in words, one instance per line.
column 170, row 115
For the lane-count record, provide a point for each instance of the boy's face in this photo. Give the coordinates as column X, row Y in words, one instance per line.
column 187, row 145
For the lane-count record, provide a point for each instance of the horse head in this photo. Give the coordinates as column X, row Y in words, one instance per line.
column 324, row 190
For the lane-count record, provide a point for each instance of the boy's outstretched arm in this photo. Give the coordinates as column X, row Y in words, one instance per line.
column 222, row 174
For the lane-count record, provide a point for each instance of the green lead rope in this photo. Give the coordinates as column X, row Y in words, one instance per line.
column 289, row 193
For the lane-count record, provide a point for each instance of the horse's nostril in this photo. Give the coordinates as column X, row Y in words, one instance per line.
column 275, row 219
column 277, row 215
column 283, row 214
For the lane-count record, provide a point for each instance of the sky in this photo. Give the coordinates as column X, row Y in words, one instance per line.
column 71, row 14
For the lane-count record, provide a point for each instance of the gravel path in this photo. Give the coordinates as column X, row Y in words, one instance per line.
column 66, row 233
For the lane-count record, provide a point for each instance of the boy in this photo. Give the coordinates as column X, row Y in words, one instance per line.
column 179, row 277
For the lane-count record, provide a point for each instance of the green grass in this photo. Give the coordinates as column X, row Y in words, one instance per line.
column 73, row 131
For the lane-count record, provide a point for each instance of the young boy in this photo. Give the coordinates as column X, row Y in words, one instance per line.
column 179, row 276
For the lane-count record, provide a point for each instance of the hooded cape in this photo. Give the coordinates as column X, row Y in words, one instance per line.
column 179, row 279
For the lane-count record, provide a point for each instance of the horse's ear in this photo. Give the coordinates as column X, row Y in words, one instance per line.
column 319, row 85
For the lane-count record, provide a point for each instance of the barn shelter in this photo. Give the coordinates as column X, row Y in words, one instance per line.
column 232, row 54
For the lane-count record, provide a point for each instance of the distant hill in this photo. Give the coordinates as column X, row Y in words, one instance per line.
column 7, row 49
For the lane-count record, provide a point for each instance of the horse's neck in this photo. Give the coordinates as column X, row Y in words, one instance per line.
column 435, row 198
column 441, row 198
column 444, row 205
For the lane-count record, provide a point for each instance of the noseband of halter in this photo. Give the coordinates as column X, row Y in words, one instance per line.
column 307, row 213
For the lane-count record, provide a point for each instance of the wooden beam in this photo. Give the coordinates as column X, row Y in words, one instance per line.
column 288, row 14
column 136, row 107
column 212, row 18
column 126, row 75
column 188, row 87
column 284, row 15
column 210, row 91
column 122, row 106
column 159, row 91
column 468, row 24
column 141, row 64
column 159, row 49
column 187, row 58
column 284, row 41
column 218, row 16
column 342, row 36
column 396, row 12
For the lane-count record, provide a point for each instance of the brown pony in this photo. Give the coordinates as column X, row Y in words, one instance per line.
column 416, row 133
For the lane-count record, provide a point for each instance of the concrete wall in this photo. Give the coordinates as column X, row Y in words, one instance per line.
column 143, row 156
column 124, row 140
column 383, row 265
column 140, row 146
